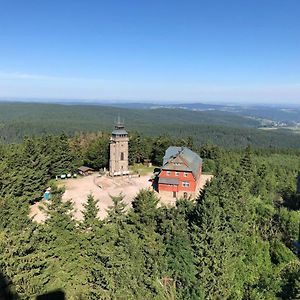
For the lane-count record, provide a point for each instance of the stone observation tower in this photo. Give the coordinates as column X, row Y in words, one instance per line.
column 118, row 149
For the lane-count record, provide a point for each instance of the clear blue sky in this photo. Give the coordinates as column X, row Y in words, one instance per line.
column 206, row 51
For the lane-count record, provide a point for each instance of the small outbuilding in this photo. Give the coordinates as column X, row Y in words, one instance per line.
column 147, row 163
column 85, row 171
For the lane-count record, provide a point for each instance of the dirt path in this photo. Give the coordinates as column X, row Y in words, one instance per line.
column 101, row 188
column 77, row 190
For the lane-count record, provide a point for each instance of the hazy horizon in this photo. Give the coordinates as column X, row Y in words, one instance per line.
column 128, row 101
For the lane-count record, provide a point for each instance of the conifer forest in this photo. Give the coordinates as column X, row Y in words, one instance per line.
column 236, row 240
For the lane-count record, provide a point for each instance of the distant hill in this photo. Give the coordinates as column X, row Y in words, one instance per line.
column 89, row 117
column 278, row 113
column 223, row 128
column 272, row 113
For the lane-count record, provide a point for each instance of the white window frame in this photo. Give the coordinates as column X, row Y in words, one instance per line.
column 185, row 174
column 185, row 184
column 168, row 173
column 176, row 173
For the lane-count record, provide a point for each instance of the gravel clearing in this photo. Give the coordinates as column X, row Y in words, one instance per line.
column 102, row 187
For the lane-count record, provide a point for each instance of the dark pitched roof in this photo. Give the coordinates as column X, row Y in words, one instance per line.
column 172, row 151
column 171, row 167
column 165, row 180
column 119, row 131
column 85, row 169
column 192, row 159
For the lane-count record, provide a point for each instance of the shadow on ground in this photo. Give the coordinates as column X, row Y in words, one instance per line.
column 7, row 291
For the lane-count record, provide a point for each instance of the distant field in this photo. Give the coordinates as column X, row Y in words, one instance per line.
column 268, row 128
column 282, row 129
column 293, row 129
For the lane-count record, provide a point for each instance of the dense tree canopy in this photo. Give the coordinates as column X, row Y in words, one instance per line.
column 235, row 241
column 222, row 128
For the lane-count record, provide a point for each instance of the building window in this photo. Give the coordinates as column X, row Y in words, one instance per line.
column 176, row 173
column 185, row 184
column 168, row 173
column 185, row 174
column 122, row 155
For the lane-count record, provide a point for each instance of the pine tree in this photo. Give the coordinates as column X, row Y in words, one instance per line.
column 247, row 166
column 135, row 154
column 119, row 260
column 90, row 213
column 116, row 212
column 25, row 172
column 97, row 153
column 218, row 233
column 143, row 221
column 297, row 289
column 190, row 143
column 61, row 156
column 22, row 261
column 61, row 242
column 159, row 147
column 144, row 205
column 174, row 228
column 14, row 213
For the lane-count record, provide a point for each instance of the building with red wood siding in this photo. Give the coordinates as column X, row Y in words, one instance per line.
column 180, row 173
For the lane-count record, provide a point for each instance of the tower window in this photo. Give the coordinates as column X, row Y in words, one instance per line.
column 122, row 155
